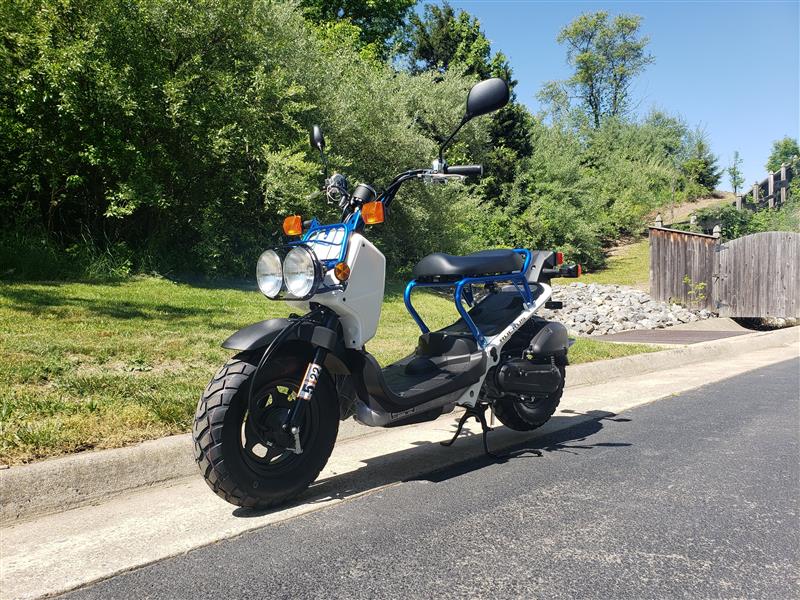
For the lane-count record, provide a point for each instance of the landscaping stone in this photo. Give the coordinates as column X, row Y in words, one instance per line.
column 596, row 309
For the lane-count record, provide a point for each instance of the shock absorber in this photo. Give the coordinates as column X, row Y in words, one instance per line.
column 307, row 386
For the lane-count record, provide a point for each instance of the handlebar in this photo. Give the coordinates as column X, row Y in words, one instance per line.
column 465, row 170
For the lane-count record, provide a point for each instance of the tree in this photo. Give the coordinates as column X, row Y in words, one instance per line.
column 606, row 56
column 735, row 175
column 441, row 38
column 783, row 151
column 378, row 20
column 701, row 167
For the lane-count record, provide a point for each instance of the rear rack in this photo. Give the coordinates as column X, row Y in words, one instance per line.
column 463, row 292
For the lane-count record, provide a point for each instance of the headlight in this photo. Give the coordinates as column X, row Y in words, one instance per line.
column 269, row 274
column 302, row 272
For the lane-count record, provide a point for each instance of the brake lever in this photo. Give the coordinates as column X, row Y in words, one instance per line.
column 314, row 195
column 441, row 178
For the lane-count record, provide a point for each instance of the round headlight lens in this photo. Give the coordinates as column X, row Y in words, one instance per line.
column 300, row 272
column 269, row 274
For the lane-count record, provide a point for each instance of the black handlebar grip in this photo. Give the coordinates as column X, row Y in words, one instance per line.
column 465, row 170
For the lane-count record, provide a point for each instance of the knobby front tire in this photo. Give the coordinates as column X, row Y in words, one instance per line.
column 235, row 465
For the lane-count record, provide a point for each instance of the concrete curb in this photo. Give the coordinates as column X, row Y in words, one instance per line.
column 639, row 364
column 61, row 483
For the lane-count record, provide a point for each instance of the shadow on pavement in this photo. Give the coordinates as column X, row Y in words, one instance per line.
column 430, row 461
column 563, row 440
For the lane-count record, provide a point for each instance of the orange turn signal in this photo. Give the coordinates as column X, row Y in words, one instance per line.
column 372, row 213
column 341, row 271
column 293, row 225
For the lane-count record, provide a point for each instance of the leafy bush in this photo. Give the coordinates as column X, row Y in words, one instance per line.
column 784, row 150
column 737, row 223
column 583, row 188
column 179, row 130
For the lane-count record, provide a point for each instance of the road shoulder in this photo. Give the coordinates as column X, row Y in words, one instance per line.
column 62, row 551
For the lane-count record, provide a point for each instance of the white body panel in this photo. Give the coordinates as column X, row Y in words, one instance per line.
column 359, row 305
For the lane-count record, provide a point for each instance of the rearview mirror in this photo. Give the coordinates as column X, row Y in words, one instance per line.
column 487, row 96
column 317, row 139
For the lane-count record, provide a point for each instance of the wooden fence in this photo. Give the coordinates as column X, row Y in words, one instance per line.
column 758, row 276
column 772, row 191
column 754, row 276
column 678, row 256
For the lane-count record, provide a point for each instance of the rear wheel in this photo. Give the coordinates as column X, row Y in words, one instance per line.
column 246, row 458
column 524, row 413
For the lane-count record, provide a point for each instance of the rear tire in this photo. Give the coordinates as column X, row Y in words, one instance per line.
column 237, row 473
column 522, row 414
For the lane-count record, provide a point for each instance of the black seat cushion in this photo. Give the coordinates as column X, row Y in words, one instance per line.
column 485, row 262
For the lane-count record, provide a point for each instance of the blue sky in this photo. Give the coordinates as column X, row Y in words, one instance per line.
column 732, row 68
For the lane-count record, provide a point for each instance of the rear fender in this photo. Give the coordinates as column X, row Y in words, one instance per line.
column 551, row 341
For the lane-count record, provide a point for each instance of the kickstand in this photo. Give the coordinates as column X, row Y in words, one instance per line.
column 479, row 412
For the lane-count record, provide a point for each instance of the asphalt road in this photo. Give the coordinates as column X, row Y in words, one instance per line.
column 693, row 496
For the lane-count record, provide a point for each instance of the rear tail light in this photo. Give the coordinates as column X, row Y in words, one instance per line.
column 580, row 271
column 559, row 258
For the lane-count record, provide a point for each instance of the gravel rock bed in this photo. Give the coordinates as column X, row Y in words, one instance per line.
column 595, row 309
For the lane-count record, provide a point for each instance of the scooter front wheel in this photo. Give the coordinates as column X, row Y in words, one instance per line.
column 247, row 459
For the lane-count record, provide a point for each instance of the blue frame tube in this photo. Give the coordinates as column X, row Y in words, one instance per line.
column 518, row 278
column 349, row 226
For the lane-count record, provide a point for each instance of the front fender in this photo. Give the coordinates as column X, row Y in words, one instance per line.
column 257, row 335
column 339, row 362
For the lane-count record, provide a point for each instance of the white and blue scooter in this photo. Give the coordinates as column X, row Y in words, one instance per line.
column 267, row 422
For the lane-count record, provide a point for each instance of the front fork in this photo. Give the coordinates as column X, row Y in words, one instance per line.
column 291, row 424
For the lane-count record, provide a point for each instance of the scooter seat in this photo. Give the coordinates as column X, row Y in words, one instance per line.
column 485, row 262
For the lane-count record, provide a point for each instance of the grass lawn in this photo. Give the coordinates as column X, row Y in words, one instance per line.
column 627, row 265
column 104, row 365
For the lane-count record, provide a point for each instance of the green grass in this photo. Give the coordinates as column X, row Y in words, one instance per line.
column 630, row 265
column 588, row 350
column 104, row 365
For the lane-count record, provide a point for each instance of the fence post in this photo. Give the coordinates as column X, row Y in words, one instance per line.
column 784, row 184
column 738, row 202
column 771, row 189
column 717, row 231
column 755, row 194
column 659, row 222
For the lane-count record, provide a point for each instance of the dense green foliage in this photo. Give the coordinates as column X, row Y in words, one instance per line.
column 379, row 23
column 171, row 136
column 180, row 130
column 583, row 188
column 442, row 40
column 737, row 223
column 783, row 151
column 700, row 166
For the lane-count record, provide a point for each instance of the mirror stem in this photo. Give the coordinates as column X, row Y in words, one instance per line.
column 464, row 120
column 324, row 162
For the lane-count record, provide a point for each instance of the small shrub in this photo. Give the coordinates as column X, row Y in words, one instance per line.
column 696, row 291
